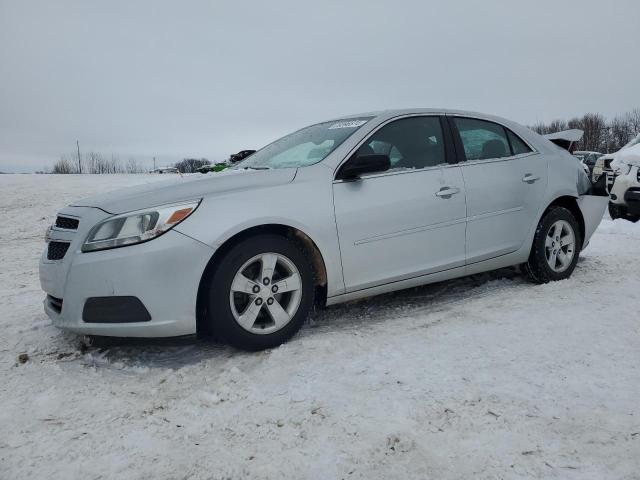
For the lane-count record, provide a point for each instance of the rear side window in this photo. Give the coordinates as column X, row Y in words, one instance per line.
column 517, row 145
column 482, row 140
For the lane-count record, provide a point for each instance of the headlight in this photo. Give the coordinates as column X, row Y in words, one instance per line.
column 136, row 227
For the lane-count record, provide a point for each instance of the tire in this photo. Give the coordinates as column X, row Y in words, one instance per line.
column 539, row 266
column 620, row 211
column 233, row 312
column 615, row 211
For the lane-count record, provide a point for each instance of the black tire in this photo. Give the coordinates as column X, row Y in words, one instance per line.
column 615, row 211
column 537, row 269
column 620, row 211
column 220, row 318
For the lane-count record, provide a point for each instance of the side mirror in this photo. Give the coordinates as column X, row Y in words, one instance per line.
column 361, row 164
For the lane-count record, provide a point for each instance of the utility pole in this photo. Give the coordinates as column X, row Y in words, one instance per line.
column 79, row 163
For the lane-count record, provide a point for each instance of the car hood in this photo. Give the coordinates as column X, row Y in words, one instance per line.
column 190, row 187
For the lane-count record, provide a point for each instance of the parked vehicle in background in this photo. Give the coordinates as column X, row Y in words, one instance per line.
column 625, row 192
column 165, row 170
column 588, row 159
column 241, row 155
column 215, row 167
column 603, row 164
column 336, row 211
column 233, row 158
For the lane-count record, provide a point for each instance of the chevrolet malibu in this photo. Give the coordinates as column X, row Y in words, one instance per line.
column 336, row 211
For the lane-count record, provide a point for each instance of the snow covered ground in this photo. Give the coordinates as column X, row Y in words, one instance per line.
column 485, row 377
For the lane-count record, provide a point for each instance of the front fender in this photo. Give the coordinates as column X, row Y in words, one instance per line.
column 305, row 205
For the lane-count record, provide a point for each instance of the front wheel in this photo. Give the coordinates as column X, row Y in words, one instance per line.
column 556, row 246
column 261, row 292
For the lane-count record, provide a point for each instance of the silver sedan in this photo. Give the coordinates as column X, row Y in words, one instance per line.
column 336, row 211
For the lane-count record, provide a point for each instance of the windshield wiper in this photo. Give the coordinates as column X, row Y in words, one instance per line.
column 256, row 168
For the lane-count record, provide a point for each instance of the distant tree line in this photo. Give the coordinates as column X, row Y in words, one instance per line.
column 600, row 134
column 93, row 162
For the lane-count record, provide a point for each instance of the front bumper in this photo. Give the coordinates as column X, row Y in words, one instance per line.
column 164, row 274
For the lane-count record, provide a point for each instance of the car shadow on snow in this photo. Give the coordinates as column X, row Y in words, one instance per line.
column 178, row 352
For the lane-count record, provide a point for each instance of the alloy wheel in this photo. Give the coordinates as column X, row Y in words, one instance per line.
column 265, row 293
column 560, row 245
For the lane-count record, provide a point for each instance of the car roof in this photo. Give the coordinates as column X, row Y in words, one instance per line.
column 382, row 115
column 532, row 137
column 408, row 111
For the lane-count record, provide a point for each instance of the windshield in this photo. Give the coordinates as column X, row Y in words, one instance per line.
column 304, row 147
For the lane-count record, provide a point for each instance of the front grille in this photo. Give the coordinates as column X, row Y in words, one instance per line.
column 55, row 303
column 57, row 250
column 67, row 223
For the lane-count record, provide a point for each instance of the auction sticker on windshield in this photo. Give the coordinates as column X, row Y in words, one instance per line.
column 348, row 124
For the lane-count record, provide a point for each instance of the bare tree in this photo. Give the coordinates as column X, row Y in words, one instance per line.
column 133, row 166
column 633, row 119
column 618, row 133
column 593, row 125
column 191, row 165
column 599, row 134
column 65, row 165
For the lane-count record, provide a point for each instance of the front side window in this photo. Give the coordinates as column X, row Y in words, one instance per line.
column 410, row 143
column 304, row 147
column 482, row 140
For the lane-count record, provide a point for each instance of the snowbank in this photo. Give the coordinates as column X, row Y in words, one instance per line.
column 483, row 377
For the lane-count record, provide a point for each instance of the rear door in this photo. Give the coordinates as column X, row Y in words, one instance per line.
column 408, row 221
column 505, row 181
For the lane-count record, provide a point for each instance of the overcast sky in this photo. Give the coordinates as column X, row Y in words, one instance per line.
column 181, row 79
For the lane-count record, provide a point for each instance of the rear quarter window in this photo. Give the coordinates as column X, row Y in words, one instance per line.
column 517, row 144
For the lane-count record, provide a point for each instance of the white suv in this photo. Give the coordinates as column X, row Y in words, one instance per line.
column 625, row 191
column 603, row 164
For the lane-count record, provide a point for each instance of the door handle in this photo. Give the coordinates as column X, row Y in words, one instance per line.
column 446, row 192
column 529, row 178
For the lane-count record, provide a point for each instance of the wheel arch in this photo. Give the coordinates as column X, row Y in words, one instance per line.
column 570, row 203
column 285, row 231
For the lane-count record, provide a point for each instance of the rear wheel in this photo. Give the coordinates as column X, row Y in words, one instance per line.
column 556, row 246
column 261, row 293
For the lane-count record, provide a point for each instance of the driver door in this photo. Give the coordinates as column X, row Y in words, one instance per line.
column 408, row 221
